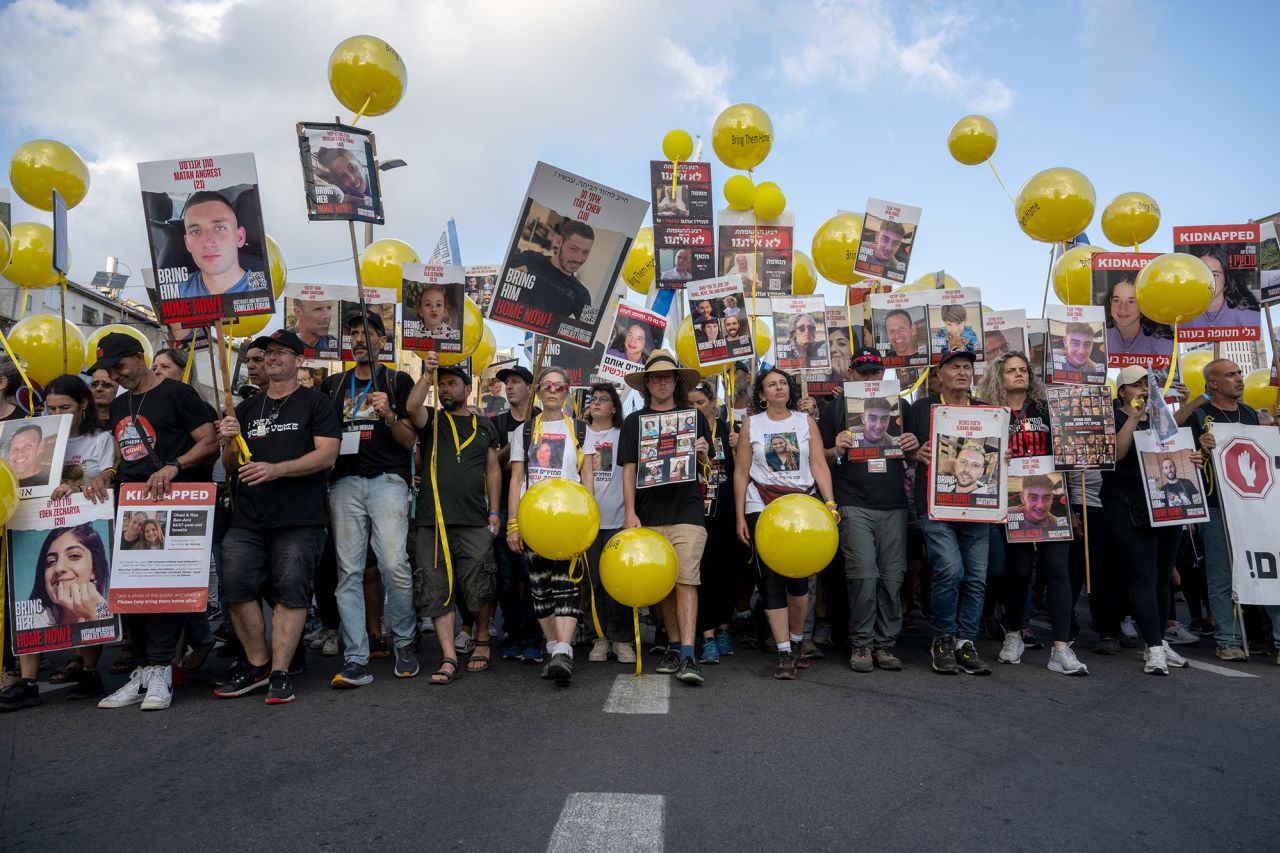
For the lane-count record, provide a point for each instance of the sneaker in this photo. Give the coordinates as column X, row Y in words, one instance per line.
column 314, row 639
column 968, row 661
column 809, row 651
column 1174, row 658
column 710, row 651
column 943, row 655
column 1127, row 642
column 786, row 668
column 378, row 648
column 280, row 689
column 688, row 671
column 1064, row 660
column 23, row 693
column 330, row 649
column 724, row 642
column 599, row 650
column 1178, row 635
column 88, row 686
column 660, row 643
column 159, row 689
column 994, row 629
column 885, row 659
column 532, row 652
column 352, row 675
column 1201, row 628
column 626, row 652
column 1030, row 639
column 464, row 643
column 1011, row 651
column 426, row 625
column 560, row 668
column 822, row 634
column 860, row 660
column 245, row 680
column 1107, row 646
column 1231, row 653
column 1157, row 662
column 1129, row 628
column 406, row 662
column 131, row 692
column 670, row 663
column 511, row 651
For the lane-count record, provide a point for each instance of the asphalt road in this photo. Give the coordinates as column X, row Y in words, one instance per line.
column 1022, row 760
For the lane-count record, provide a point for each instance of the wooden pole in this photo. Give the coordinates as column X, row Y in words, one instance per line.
column 62, row 304
column 226, row 369
column 213, row 373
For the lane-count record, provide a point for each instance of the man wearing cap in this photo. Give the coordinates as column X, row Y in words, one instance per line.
column 369, row 496
column 468, row 475
column 277, row 529
column 873, row 537
column 674, row 510
column 163, row 433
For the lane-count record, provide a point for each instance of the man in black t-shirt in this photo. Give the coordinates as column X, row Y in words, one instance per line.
column 277, row 523
column 557, row 288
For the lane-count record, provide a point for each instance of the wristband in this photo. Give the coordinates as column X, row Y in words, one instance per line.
column 492, row 514
column 829, row 503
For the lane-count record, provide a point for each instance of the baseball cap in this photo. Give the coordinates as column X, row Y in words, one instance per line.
column 114, row 347
column 522, row 372
column 866, row 359
column 284, row 338
column 455, row 370
column 1131, row 374
column 356, row 318
column 958, row 352
column 743, row 365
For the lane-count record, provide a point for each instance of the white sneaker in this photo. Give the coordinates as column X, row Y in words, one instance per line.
column 1129, row 628
column 1011, row 651
column 1173, row 657
column 159, row 689
column 626, row 652
column 1178, row 635
column 317, row 642
column 1064, row 660
column 463, row 643
column 426, row 625
column 131, row 692
column 599, row 650
column 330, row 647
column 1157, row 661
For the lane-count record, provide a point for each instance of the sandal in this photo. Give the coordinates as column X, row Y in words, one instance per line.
column 483, row 663
column 71, row 672
column 448, row 676
column 126, row 663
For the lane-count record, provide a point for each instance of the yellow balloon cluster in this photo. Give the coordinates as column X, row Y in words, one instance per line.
column 835, row 248
column 804, row 275
column 742, row 136
column 1174, row 288
column 41, row 166
column 1131, row 219
column 1055, row 205
column 972, row 140
column 639, row 268
column 91, row 345
column 1259, row 392
column 31, row 256
column 1192, row 367
column 366, row 75
column 38, row 340
column 1073, row 275
column 638, row 567
column 677, row 146
column 472, row 333
column 796, row 536
column 382, row 263
column 769, row 202
column 558, row 519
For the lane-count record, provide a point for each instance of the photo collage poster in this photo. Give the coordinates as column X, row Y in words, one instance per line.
column 683, row 232
column 1082, row 425
column 666, row 448
column 721, row 323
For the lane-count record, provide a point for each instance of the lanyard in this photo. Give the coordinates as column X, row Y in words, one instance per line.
column 355, row 403
column 569, row 431
column 454, row 427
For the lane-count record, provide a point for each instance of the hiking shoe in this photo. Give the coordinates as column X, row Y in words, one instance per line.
column 1107, row 646
column 88, row 685
column 1178, row 635
column 809, row 650
column 159, row 689
column 1030, row 639
column 406, row 662
column 1157, row 662
column 1011, row 651
column 860, row 660
column 822, row 634
column 23, row 693
column 352, row 675
column 885, row 659
column 131, row 692
column 968, row 661
column 532, row 652
column 599, row 650
column 670, row 663
column 786, row 668
column 1231, row 653
column 688, row 671
column 378, row 648
column 710, row 651
column 560, row 668
column 246, row 679
column 943, row 655
column 626, row 652
column 1174, row 658
column 724, row 642
column 280, row 689
column 511, row 651
column 1064, row 660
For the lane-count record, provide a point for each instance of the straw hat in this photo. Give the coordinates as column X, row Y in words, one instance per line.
column 662, row 361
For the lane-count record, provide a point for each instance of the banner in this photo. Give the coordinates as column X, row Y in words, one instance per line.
column 1082, row 424
column 888, row 235
column 340, row 173
column 683, row 236
column 1077, row 345
column 1174, row 488
column 34, row 449
column 481, row 282
column 162, row 550
column 636, row 333
column 431, row 304
column 59, row 574
column 967, row 464
column 1037, row 502
column 759, row 253
column 955, row 318
column 666, row 448
column 721, row 325
column 800, row 333
column 1132, row 338
column 873, row 418
column 900, row 327
column 1231, row 253
column 1248, row 484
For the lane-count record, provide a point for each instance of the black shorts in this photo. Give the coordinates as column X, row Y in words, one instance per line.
column 286, row 558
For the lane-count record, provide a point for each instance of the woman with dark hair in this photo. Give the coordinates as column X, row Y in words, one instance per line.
column 1127, row 330
column 722, row 556
column 1232, row 303
column 604, row 426
column 632, row 343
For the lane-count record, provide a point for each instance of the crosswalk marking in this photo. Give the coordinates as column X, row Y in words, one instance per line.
column 606, row 823
column 645, row 694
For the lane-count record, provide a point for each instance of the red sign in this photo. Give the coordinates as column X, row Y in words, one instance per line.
column 1247, row 468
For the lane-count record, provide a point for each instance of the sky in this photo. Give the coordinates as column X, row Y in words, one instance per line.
column 1172, row 99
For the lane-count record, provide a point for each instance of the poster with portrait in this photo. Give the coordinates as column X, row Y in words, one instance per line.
column 800, row 333
column 313, row 312
column 1002, row 332
column 565, row 255
column 1077, row 345
column 683, row 233
column 60, row 573
column 340, row 172
column 955, row 320
column 1231, row 254
column 1174, row 485
column 175, row 334
column 1082, row 425
column 380, row 301
column 432, row 308
column 1132, row 338
column 721, row 324
column 888, row 235
column 481, row 283
column 1037, row 502
column 900, row 327
column 1268, row 263
column 208, row 243
column 967, row 464
column 844, row 336
column 758, row 253
column 636, row 333
column 1037, row 344
column 582, row 366
column 873, row 417
column 34, row 449
column 162, row 550
column 666, row 448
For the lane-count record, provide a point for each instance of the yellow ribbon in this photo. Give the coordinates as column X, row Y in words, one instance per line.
column 635, row 619
column 186, row 370
column 435, row 491
column 729, row 388
column 675, row 174
column 359, row 116
column 245, row 455
column 998, row 181
column 1173, row 363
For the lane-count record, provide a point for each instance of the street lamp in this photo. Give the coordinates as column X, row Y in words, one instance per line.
column 383, row 166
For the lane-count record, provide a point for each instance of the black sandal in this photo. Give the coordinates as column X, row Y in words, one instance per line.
column 450, row 676
column 71, row 672
column 127, row 662
column 484, row 661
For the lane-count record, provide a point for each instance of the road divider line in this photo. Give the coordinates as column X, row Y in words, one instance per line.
column 645, row 694
column 603, row 823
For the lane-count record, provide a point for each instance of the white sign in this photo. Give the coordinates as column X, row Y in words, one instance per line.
column 1246, row 464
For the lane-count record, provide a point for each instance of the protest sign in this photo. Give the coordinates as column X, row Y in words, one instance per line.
column 1037, row 502
column 683, row 236
column 1077, row 345
column 842, row 323
column 1037, row 344
column 1268, row 263
column 1231, row 253
column 666, row 448
column 175, row 334
column 481, row 282
column 340, row 173
column 1248, row 482
column 582, row 366
column 955, row 319
column 432, row 302
column 35, row 449
column 1174, row 487
column 1082, row 424
column 162, row 549
column 721, row 325
column 636, row 333
column 888, row 236
column 800, row 333
column 312, row 312
column 1002, row 332
column 967, row 465
column 873, row 417
column 900, row 328
column 757, row 252
column 1132, row 338
column 378, row 300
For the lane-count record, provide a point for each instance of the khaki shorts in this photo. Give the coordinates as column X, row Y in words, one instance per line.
column 475, row 575
column 689, row 540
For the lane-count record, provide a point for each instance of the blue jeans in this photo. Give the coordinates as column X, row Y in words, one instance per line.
column 958, row 557
column 357, row 506
column 1217, row 570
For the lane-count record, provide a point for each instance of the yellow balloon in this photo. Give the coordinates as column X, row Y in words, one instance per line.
column 1258, row 390
column 972, row 140
column 928, row 283
column 382, row 263
column 367, row 69
column 687, row 350
column 739, row 192
column 796, row 536
column 483, row 356
column 677, row 146
column 558, row 519
column 1131, row 219
column 1073, row 277
column 279, row 269
column 835, row 248
column 762, row 338
column 41, row 166
column 1174, row 288
column 638, row 567
column 31, row 256
column 1192, row 366
column 804, row 276
column 769, row 202
column 742, row 136
column 9, row 495
column 1055, row 205
column 36, row 340
column 6, row 246
column 246, row 327
column 91, row 345
column 640, row 265
column 472, row 332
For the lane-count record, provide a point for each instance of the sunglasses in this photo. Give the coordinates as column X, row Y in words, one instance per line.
column 552, row 386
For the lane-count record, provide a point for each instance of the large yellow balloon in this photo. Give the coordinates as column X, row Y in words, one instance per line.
column 763, row 339
column 769, row 201
column 483, row 356
column 835, row 248
column 367, row 69
column 796, row 536
column 472, row 332
column 6, row 246
column 1130, row 219
column 1073, row 276
column 739, row 192
column 279, row 269
column 639, row 267
column 31, row 256
column 382, row 263
column 1174, row 288
column 804, row 275
column 742, row 136
column 558, row 519
column 246, row 327
column 687, row 350
column 972, row 140
column 677, row 146
column 91, row 345
column 1258, row 390
column 1192, row 367
column 38, row 341
column 1055, row 205
column 928, row 282
column 41, row 166
column 9, row 494
column 638, row 567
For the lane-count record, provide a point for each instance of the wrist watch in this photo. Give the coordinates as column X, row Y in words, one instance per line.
column 177, row 463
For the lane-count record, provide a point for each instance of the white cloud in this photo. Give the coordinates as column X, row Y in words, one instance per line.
column 702, row 84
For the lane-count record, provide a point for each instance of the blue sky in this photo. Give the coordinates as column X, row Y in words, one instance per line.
column 1172, row 99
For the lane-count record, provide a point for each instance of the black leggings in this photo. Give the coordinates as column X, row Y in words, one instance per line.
column 774, row 588
column 1148, row 555
column 721, row 557
column 1051, row 559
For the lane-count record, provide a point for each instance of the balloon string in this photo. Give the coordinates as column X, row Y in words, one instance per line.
column 848, row 312
column 1168, row 382
column 729, row 388
column 595, row 616
column 435, row 485
column 635, row 621
column 1084, row 502
column 359, row 116
column 26, row 380
column 675, row 178
column 998, row 180
column 22, row 311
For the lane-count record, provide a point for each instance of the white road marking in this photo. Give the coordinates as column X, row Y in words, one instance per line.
column 610, row 822
column 647, row 694
column 1195, row 664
